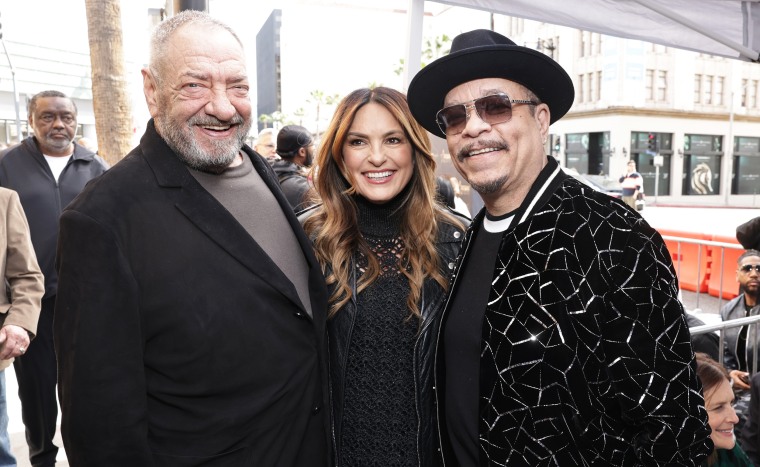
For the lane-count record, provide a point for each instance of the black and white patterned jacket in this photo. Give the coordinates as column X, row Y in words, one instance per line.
column 585, row 356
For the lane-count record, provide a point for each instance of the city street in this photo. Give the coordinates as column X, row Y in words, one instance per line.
column 722, row 221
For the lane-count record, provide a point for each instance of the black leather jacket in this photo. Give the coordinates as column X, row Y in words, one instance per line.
column 733, row 310
column 339, row 331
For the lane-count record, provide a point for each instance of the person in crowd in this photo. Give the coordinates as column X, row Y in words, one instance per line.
column 444, row 192
column 740, row 342
column 191, row 314
column 387, row 249
column 265, row 144
column 748, row 234
column 21, row 292
column 88, row 144
column 631, row 184
column 295, row 146
column 708, row 343
column 719, row 399
column 459, row 204
column 48, row 171
column 563, row 341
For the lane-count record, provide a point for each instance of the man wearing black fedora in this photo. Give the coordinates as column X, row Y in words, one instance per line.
column 563, row 341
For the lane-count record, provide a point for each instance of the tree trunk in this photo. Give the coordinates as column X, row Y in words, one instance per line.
column 110, row 98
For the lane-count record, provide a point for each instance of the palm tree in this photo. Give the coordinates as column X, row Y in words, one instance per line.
column 319, row 98
column 110, row 99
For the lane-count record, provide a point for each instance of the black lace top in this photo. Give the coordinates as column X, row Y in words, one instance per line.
column 379, row 417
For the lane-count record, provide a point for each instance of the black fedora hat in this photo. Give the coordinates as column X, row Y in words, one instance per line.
column 486, row 54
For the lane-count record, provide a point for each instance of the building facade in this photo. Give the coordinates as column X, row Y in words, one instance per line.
column 39, row 68
column 690, row 121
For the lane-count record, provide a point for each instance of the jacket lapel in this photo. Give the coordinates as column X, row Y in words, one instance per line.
column 209, row 216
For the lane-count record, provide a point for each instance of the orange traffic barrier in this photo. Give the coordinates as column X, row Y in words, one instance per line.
column 724, row 265
column 690, row 260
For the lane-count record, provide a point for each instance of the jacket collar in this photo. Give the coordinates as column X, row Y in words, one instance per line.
column 80, row 152
column 550, row 177
column 217, row 223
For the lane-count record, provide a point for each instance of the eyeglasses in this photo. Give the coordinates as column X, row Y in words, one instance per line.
column 493, row 109
column 748, row 267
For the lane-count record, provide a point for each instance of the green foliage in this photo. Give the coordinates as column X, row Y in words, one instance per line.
column 433, row 49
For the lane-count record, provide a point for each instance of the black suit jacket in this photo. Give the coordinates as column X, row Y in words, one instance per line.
column 179, row 341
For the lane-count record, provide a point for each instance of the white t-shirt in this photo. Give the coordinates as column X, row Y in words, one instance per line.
column 57, row 164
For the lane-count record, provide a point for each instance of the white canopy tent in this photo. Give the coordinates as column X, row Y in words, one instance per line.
column 728, row 28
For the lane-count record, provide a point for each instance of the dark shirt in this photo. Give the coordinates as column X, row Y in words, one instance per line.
column 462, row 346
column 379, row 413
column 630, row 183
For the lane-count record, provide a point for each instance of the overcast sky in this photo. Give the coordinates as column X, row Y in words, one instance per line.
column 330, row 45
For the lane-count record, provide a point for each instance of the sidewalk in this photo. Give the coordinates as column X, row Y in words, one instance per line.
column 16, row 426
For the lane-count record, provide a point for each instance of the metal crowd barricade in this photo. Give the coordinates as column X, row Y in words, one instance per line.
column 708, row 243
column 753, row 321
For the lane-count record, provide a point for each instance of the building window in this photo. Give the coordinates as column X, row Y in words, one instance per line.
column 708, row 90
column 596, row 44
column 662, row 86
column 515, row 26
column 744, row 92
column 598, row 85
column 582, row 84
column 583, row 43
column 590, row 87
column 555, row 50
column 697, row 88
column 753, row 94
column 650, row 85
column 719, row 81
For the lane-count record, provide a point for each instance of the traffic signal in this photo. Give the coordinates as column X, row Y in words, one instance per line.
column 652, row 142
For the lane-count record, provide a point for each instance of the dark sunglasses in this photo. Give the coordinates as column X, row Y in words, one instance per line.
column 748, row 267
column 493, row 109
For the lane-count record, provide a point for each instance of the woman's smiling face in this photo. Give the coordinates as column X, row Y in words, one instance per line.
column 377, row 154
column 721, row 415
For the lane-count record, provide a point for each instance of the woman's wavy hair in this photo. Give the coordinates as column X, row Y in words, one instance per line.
column 334, row 226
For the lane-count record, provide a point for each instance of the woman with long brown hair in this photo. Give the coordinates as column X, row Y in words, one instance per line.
column 387, row 249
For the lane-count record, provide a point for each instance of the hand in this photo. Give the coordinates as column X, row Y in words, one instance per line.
column 14, row 340
column 740, row 379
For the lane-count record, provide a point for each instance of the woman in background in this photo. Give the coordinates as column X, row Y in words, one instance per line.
column 387, row 250
column 719, row 399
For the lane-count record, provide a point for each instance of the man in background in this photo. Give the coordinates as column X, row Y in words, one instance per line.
column 741, row 343
column 295, row 146
column 48, row 171
column 265, row 144
column 191, row 316
column 631, row 184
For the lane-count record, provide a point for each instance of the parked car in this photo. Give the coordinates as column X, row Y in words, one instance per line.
column 604, row 184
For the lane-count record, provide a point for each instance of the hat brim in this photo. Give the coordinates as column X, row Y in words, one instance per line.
column 530, row 68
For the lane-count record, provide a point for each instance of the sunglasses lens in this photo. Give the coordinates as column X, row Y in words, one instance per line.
column 491, row 109
column 749, row 267
column 494, row 109
column 452, row 120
